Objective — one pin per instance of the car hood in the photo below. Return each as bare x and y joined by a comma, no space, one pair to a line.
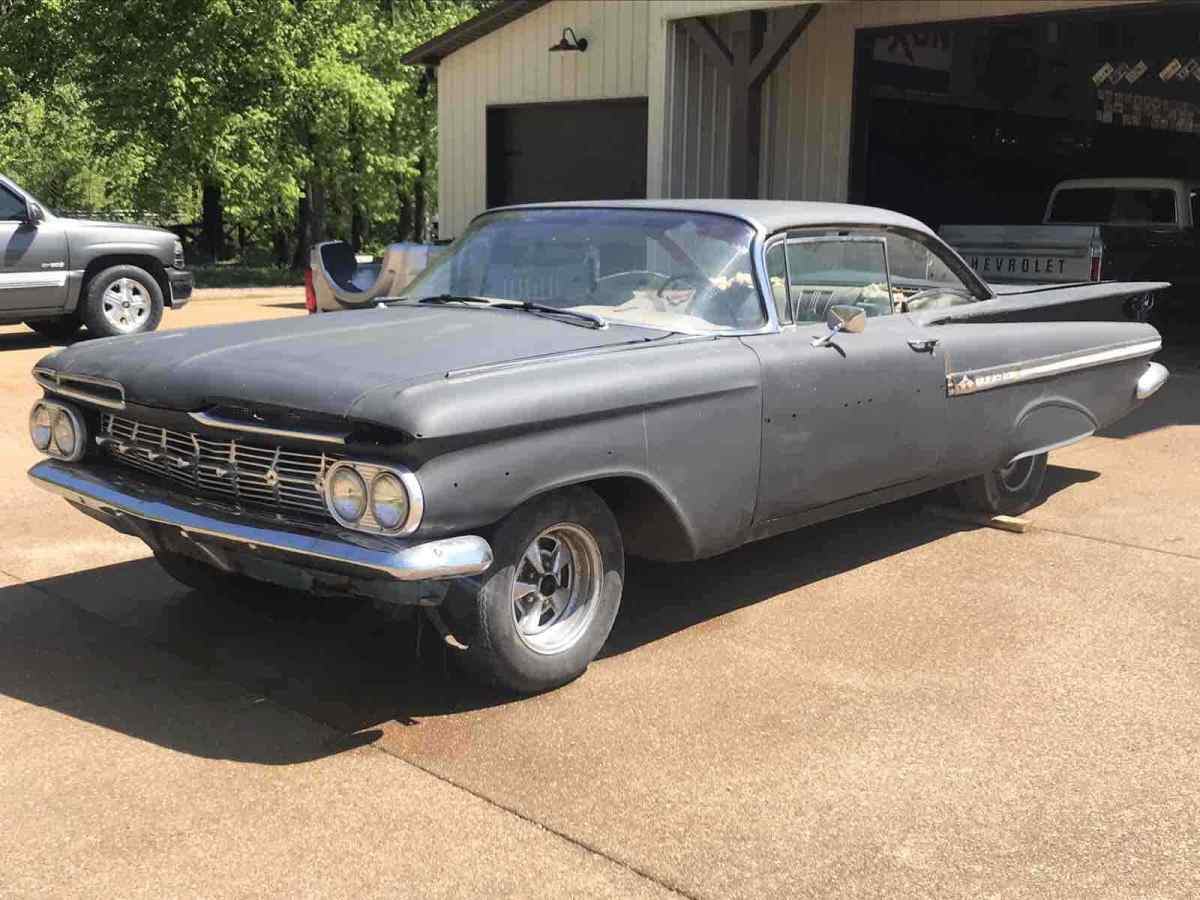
116,226
324,363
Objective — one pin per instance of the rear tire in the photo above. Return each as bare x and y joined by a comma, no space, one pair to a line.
1008,491
538,618
122,300
56,329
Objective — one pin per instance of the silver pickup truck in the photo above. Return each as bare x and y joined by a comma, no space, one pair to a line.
58,274
1097,229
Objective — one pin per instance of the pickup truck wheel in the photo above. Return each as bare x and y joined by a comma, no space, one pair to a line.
122,300
1008,491
545,609
56,329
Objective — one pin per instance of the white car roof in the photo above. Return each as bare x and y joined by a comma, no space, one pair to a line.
769,215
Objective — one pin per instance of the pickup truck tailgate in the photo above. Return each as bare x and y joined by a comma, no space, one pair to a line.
1027,253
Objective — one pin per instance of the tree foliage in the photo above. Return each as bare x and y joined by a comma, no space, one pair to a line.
285,121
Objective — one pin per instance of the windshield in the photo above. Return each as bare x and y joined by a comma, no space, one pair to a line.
675,271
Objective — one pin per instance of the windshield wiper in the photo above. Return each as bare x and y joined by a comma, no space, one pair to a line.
588,320
454,298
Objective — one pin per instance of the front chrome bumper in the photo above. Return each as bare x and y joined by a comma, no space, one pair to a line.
115,497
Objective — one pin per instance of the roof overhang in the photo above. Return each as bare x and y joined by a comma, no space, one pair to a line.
434,50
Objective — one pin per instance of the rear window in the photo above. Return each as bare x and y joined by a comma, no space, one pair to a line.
1128,205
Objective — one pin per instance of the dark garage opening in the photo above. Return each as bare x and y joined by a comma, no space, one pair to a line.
975,122
593,150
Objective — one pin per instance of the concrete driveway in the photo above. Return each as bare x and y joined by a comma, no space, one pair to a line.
891,705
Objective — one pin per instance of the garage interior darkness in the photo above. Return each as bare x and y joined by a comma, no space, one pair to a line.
975,122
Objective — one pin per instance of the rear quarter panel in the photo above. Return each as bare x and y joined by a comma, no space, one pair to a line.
989,427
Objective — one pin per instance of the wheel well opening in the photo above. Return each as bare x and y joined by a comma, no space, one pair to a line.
650,526
149,263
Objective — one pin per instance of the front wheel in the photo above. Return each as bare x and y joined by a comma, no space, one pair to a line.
540,616
1008,491
122,300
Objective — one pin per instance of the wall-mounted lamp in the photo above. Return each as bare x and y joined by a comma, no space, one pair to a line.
571,43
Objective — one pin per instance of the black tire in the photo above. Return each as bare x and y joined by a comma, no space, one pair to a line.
484,614
56,329
1005,492
146,290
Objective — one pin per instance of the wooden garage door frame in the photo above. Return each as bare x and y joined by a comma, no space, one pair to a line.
642,100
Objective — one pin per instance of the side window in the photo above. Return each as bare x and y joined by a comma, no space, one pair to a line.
777,275
920,279
12,207
837,270
1194,199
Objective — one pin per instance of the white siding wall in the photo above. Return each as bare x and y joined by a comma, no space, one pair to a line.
636,51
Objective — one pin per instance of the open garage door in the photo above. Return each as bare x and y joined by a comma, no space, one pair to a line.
541,152
974,122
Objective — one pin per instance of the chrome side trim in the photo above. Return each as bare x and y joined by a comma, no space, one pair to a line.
1152,379
56,278
234,425
972,382
60,383
114,496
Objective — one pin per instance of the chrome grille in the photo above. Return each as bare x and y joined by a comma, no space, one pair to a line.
248,474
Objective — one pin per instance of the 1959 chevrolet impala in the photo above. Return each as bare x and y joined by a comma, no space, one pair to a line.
574,382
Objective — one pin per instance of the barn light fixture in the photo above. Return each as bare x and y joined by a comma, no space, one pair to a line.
571,43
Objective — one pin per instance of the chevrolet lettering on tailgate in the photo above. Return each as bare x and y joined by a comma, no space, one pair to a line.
1018,265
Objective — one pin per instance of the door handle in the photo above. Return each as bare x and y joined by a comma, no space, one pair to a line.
923,345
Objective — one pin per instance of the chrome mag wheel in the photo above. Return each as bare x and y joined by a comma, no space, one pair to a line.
556,588
126,304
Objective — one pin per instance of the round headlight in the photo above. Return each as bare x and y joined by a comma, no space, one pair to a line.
65,438
389,501
347,494
40,424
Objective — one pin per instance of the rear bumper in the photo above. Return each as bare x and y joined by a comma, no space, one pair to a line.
165,520
182,283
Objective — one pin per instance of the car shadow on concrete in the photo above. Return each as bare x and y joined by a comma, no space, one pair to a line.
354,668
31,340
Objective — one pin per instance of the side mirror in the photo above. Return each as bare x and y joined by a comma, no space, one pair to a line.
848,319
34,213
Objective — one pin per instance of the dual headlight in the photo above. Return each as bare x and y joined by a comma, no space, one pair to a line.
374,498
58,430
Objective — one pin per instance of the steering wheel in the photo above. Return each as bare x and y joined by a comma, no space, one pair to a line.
696,281
649,272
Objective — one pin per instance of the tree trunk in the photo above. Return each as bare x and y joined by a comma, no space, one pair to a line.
212,220
319,210
279,247
358,227
404,218
419,201
303,233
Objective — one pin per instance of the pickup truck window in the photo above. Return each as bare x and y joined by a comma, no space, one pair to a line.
12,207
1126,206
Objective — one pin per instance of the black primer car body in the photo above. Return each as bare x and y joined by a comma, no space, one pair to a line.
48,263
691,442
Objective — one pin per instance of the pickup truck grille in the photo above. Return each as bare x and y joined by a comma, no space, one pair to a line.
251,475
